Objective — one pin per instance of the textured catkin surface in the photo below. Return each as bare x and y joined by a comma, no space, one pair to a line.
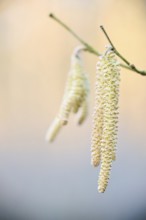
105,117
97,128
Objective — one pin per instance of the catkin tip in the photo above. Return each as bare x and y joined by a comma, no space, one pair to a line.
101,190
95,163
53,130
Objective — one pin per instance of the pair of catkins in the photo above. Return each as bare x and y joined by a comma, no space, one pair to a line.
105,115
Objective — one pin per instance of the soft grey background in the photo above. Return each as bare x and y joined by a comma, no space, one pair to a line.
56,181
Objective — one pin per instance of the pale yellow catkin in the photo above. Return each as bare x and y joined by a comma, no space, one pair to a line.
97,127
105,117
110,96
75,96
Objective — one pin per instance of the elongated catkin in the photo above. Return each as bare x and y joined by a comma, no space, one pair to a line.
105,118
75,96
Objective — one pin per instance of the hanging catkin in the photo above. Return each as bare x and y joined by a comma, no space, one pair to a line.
105,118
97,128
75,96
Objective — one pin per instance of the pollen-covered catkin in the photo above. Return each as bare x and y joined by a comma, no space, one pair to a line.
75,96
105,116
97,127
110,97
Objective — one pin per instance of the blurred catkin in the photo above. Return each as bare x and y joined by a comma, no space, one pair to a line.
75,95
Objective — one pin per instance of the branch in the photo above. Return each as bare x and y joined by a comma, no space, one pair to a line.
88,47
91,49
129,65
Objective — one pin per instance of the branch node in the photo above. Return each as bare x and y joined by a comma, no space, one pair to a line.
51,15
132,66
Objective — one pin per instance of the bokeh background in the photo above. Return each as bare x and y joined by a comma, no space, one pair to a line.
56,181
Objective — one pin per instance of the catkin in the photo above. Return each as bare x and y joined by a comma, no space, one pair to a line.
97,128
105,119
75,96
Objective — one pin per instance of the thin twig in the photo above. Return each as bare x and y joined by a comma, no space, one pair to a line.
130,66
91,49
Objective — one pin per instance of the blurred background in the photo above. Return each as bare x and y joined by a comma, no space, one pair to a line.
56,181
